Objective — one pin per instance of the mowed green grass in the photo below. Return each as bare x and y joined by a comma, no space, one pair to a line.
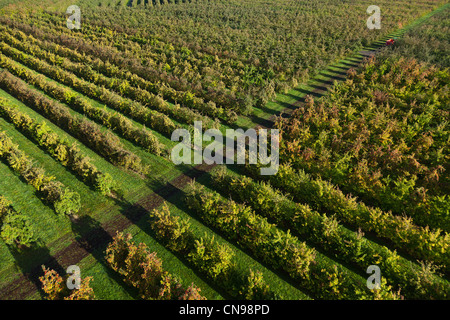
319,77
51,228
56,232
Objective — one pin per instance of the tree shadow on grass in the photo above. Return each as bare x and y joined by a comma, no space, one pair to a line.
320,87
262,121
177,200
139,216
94,239
29,261
338,76
331,73
38,194
336,66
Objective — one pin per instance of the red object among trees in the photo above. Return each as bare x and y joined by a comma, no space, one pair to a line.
390,42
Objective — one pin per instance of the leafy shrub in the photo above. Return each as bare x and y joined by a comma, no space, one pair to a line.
63,200
68,203
208,256
256,288
213,259
16,230
105,143
240,223
175,233
54,286
5,205
143,270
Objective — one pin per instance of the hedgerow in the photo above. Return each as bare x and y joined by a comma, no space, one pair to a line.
59,148
50,190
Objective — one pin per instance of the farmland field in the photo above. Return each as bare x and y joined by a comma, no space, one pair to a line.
88,177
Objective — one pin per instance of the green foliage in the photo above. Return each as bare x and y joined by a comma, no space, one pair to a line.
265,46
136,109
105,183
52,284
211,258
192,293
64,200
143,270
239,223
328,233
175,232
68,203
16,230
325,197
205,254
